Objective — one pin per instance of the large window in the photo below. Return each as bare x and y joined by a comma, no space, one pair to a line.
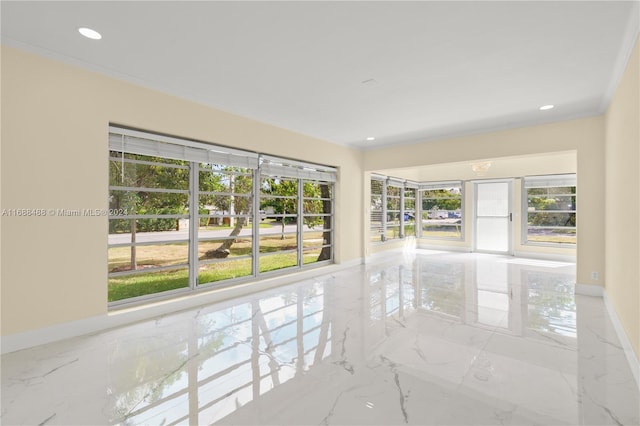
392,209
409,212
550,205
442,210
185,214
376,222
393,216
149,201
225,211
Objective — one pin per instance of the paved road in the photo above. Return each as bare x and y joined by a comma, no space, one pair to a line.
145,237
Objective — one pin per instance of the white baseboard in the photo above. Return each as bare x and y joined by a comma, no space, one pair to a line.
128,315
632,359
546,256
456,249
589,290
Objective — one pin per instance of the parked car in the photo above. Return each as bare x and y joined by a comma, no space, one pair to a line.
438,214
409,216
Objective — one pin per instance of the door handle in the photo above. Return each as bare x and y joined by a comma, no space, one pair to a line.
510,217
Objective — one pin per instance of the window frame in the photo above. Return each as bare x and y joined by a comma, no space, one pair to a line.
384,211
548,181
442,185
198,156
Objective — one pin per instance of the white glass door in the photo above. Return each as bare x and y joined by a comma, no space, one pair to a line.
493,217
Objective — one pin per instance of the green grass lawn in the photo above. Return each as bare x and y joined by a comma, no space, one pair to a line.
124,287
565,239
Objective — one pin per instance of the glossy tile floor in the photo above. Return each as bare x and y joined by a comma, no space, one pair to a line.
426,338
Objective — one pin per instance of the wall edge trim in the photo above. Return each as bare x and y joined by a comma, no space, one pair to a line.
632,359
593,290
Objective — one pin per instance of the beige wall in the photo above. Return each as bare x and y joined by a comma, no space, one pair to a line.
54,149
585,137
622,200
55,121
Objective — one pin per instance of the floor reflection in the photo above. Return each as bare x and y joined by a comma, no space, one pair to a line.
424,338
226,359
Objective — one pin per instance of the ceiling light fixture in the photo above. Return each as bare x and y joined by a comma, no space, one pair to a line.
371,138
481,169
546,107
89,33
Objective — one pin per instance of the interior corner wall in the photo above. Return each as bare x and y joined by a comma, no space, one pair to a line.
622,200
584,136
55,120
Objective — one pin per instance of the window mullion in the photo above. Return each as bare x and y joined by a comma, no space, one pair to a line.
300,221
255,229
401,231
418,213
194,222
384,211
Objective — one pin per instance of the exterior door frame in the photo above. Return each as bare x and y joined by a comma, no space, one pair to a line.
509,182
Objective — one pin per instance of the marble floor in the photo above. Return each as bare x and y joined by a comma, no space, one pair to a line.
421,338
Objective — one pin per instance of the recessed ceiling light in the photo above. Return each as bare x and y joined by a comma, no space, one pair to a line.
89,33
371,138
546,107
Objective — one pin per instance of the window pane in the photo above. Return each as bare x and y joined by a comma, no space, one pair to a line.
546,235
393,204
225,248
130,258
313,239
274,243
376,211
393,191
317,222
141,202
442,213
393,231
228,192
147,172
409,224
313,255
127,286
278,261
147,230
224,270
551,215
441,230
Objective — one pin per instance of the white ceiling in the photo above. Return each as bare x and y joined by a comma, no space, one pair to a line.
439,68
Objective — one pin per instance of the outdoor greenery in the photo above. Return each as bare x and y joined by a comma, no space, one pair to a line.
146,185
441,199
133,171
127,286
453,231
550,210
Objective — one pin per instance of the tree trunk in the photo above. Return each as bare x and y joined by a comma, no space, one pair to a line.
226,245
282,223
325,253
